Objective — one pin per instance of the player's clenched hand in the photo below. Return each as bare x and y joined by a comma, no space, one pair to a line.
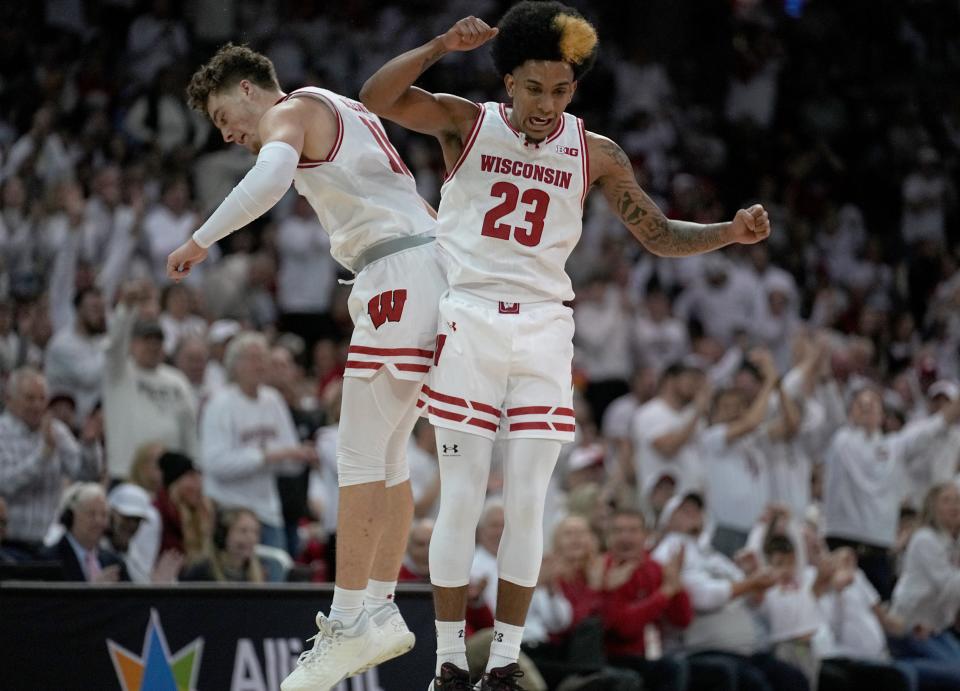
184,258
751,225
468,33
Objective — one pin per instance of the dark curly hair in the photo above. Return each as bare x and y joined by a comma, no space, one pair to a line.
544,31
225,69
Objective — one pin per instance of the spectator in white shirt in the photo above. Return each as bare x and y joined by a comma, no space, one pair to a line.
737,484
664,429
248,437
864,481
723,299
602,342
724,643
144,399
925,195
659,338
853,643
134,535
176,301
939,462
617,419
306,276
191,358
76,356
927,595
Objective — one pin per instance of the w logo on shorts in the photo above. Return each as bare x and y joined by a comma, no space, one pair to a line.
387,307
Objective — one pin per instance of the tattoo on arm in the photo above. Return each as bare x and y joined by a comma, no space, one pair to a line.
647,223
431,59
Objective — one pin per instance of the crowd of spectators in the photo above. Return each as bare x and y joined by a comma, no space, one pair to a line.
764,489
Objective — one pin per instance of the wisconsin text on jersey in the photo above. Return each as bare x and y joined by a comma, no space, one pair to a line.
521,169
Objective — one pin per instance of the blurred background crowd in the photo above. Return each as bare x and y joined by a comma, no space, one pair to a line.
763,493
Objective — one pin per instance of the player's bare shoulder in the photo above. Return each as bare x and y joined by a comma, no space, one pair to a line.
606,157
314,117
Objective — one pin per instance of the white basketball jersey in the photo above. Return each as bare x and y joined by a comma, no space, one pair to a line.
362,192
511,212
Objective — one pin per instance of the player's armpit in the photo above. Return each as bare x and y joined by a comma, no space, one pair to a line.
613,174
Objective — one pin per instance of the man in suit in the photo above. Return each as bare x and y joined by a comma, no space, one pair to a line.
85,517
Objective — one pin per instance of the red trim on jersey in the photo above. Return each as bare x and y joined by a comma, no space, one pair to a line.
359,364
530,410
396,352
468,144
310,162
584,162
503,114
557,132
396,163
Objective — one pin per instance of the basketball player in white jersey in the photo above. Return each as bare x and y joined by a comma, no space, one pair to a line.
510,214
337,155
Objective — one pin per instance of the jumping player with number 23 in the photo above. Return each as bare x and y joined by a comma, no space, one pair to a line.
511,212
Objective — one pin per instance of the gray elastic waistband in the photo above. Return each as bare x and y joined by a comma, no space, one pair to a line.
388,247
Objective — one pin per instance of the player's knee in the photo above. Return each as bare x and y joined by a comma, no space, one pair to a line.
460,505
358,469
523,509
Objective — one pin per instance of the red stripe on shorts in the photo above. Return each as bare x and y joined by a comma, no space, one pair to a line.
486,424
359,364
560,427
407,367
564,411
530,410
397,352
446,414
518,426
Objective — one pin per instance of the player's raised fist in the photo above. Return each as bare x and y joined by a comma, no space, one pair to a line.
468,33
184,258
751,225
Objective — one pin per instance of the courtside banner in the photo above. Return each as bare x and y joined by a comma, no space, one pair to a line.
209,637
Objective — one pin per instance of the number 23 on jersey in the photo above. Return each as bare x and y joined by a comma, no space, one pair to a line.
534,200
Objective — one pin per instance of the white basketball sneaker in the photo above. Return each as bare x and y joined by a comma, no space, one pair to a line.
337,653
397,638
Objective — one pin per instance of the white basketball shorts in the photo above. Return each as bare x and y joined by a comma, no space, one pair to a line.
393,305
503,366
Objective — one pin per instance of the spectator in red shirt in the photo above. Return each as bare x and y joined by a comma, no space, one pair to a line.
576,547
638,595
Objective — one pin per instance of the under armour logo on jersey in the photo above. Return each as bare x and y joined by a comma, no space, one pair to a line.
451,449
568,150
386,307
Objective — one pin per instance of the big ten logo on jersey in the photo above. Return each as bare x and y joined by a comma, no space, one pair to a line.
251,672
387,307
568,150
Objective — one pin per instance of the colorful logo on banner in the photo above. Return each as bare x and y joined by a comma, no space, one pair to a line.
155,669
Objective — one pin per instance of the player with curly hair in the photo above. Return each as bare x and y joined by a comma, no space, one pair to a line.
510,214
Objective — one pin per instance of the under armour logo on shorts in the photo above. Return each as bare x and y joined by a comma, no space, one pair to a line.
509,307
451,449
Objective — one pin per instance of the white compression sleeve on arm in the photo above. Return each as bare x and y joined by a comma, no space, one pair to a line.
260,189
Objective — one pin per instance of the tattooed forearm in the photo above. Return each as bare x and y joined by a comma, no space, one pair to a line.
659,235
430,59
